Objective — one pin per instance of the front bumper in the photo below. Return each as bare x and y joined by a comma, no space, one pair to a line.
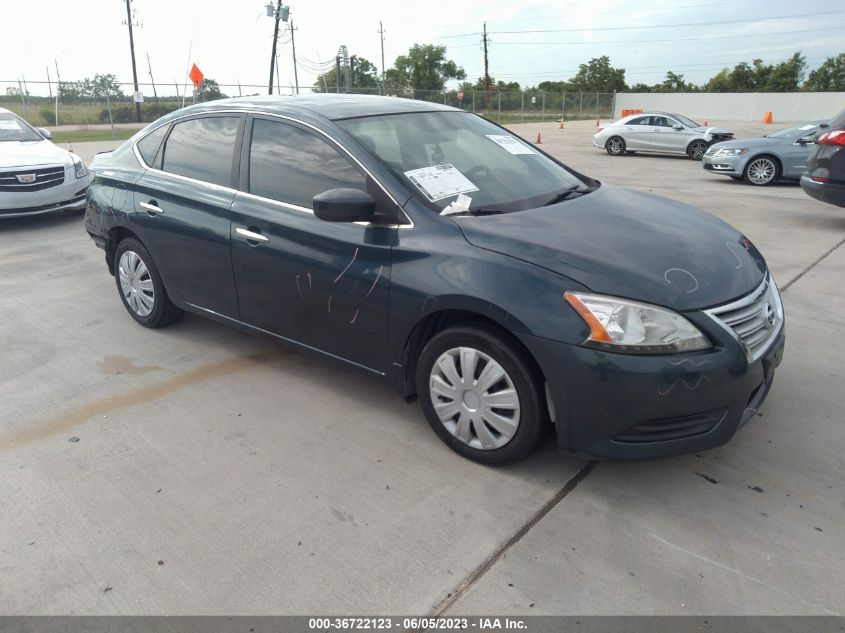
830,192
68,196
629,407
728,165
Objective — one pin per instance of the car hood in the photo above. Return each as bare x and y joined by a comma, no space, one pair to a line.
630,244
751,142
713,130
32,154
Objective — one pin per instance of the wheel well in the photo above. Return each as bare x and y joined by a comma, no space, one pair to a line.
443,320
115,237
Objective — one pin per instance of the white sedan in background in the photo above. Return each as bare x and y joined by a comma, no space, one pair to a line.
662,132
35,175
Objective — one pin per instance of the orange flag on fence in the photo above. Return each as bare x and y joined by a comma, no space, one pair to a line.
196,76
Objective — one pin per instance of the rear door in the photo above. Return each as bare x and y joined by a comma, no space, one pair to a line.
182,208
636,133
321,284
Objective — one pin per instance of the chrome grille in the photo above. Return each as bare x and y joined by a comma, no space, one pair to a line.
755,319
35,179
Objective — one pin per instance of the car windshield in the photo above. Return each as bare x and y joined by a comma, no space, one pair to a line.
440,155
686,121
800,130
12,128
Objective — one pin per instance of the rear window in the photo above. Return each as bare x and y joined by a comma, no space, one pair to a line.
202,149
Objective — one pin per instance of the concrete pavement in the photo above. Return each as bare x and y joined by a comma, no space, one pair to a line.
199,470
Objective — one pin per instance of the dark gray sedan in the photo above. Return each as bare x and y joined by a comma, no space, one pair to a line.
761,161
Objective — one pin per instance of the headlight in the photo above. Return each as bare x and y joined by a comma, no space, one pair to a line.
79,166
731,151
621,325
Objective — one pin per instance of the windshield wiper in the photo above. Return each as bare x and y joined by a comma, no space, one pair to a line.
476,212
574,190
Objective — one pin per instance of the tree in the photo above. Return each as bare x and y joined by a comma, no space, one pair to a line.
786,76
640,87
364,76
209,90
829,77
102,85
425,67
759,77
598,75
674,82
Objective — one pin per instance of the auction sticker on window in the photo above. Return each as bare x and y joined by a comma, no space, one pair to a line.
511,144
10,124
440,181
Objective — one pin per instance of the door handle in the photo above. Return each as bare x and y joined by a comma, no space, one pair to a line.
251,236
151,207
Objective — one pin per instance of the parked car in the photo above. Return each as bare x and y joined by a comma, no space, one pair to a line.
663,132
761,161
435,249
824,178
35,175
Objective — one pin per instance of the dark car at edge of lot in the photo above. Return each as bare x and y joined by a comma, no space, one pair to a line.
510,294
824,178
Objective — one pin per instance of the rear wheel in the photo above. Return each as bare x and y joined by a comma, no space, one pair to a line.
140,286
482,395
615,146
696,149
761,171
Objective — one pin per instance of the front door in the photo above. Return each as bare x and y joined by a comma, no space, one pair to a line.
321,284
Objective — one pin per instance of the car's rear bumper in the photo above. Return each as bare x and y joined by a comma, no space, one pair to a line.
830,192
628,407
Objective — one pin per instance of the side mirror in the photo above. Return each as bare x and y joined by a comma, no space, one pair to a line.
804,140
344,205
677,126
43,131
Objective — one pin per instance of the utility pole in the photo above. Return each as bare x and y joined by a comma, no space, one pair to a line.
132,50
293,45
486,71
278,15
337,74
49,85
153,81
381,33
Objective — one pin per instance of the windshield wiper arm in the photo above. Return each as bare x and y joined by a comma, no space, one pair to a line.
476,212
566,193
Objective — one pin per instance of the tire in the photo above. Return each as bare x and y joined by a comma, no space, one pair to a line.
696,149
736,177
140,287
615,146
497,435
629,152
761,171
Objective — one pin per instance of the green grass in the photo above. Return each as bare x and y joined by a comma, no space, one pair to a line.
81,136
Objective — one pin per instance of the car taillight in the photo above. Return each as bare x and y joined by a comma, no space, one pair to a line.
834,137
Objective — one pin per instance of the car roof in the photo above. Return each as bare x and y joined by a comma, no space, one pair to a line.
322,105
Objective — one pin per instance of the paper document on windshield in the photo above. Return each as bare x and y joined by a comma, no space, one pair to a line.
513,145
10,124
440,181
460,205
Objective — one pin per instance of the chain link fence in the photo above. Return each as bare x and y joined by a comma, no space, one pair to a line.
48,105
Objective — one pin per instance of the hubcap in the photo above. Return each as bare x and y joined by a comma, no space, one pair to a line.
697,150
136,283
616,145
761,171
474,398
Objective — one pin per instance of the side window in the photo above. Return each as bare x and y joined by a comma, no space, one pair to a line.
291,165
202,149
643,120
149,145
661,121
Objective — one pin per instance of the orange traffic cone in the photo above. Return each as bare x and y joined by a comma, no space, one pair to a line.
538,141
705,123
562,126
767,118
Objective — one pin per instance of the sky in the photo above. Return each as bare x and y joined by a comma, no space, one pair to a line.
530,41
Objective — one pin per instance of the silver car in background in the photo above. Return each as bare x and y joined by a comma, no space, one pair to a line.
761,161
35,175
662,132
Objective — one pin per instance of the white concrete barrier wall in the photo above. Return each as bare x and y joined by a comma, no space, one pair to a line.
786,107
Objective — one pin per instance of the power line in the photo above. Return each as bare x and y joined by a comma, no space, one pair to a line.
657,41
645,27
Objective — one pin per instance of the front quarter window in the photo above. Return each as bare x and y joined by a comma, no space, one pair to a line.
441,155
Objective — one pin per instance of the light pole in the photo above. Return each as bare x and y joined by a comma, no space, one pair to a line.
279,12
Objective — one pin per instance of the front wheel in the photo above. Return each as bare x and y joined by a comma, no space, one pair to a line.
696,149
615,146
140,286
761,171
482,395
